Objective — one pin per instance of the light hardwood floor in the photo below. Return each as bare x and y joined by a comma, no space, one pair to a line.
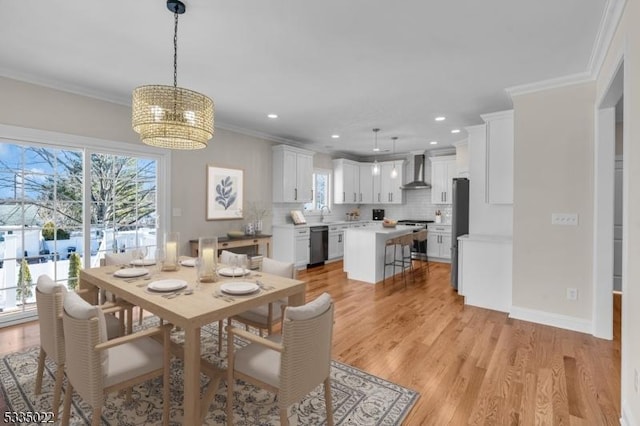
470,365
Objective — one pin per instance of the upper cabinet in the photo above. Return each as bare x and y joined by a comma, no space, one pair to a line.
346,182
443,170
292,174
354,183
499,157
366,183
386,190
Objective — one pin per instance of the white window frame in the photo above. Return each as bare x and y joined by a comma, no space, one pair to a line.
329,174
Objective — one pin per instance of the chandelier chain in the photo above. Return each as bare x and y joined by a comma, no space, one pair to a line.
175,50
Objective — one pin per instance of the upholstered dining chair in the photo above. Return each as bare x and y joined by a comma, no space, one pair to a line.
120,259
266,316
290,365
49,299
96,366
227,257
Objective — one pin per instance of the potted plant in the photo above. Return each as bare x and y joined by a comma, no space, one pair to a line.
256,213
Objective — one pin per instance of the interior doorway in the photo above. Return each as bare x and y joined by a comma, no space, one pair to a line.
608,204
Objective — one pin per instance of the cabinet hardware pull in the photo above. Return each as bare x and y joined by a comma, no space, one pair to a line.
225,244
378,197
295,193
344,196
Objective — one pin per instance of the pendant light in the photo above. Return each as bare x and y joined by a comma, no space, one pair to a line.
394,172
375,170
171,116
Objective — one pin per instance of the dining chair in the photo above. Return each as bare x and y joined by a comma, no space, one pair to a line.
49,299
120,259
266,316
96,366
290,365
229,258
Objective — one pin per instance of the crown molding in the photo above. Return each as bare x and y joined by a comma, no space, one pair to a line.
608,25
553,83
606,30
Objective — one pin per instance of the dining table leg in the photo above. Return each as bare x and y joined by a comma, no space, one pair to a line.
191,376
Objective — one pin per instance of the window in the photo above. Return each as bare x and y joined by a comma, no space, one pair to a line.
52,223
321,190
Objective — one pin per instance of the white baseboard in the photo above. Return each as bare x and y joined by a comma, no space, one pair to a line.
627,416
549,318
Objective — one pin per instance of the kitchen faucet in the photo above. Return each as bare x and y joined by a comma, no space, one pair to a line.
322,208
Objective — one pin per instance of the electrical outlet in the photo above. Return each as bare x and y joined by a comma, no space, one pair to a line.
567,219
636,379
572,293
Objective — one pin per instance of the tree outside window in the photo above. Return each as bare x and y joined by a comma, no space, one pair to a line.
321,190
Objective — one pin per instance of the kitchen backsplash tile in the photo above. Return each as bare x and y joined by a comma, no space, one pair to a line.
417,206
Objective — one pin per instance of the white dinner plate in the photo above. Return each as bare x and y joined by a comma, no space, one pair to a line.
233,272
188,262
240,287
167,285
143,262
130,272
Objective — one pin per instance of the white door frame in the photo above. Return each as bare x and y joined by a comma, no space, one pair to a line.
604,183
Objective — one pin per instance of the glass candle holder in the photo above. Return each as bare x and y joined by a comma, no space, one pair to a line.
208,255
171,255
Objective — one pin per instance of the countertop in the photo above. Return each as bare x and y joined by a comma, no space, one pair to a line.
308,225
486,238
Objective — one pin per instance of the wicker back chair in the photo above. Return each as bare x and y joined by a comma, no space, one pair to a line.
49,302
96,366
291,365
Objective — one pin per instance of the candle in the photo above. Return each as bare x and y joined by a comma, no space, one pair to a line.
171,252
208,262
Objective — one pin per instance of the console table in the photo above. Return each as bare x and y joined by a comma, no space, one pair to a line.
225,243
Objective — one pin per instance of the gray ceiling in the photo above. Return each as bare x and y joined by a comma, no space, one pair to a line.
335,66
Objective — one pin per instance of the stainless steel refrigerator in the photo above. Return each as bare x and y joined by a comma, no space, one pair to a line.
459,222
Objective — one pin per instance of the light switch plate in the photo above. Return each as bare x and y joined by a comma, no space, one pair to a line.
566,219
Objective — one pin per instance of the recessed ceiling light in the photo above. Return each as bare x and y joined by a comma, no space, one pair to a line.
335,136
434,142
441,118
455,131
272,115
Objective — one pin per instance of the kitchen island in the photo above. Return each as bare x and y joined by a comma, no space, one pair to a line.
364,251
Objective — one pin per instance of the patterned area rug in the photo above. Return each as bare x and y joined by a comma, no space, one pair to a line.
358,397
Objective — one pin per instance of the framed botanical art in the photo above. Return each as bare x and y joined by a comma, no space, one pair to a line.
225,189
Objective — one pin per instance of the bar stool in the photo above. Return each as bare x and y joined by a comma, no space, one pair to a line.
401,256
420,239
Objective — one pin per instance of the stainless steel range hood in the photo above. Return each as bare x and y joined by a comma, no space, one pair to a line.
418,181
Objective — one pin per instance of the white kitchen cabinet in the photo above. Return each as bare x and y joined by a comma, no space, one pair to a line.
302,247
291,244
499,157
346,181
366,183
336,241
439,242
443,170
386,190
292,175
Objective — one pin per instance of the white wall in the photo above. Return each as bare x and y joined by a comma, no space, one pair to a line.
37,107
226,149
553,173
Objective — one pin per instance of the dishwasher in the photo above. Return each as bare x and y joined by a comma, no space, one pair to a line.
318,244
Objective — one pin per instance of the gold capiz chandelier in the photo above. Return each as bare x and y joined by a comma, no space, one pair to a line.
171,116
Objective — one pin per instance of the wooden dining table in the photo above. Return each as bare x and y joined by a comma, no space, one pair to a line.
191,311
